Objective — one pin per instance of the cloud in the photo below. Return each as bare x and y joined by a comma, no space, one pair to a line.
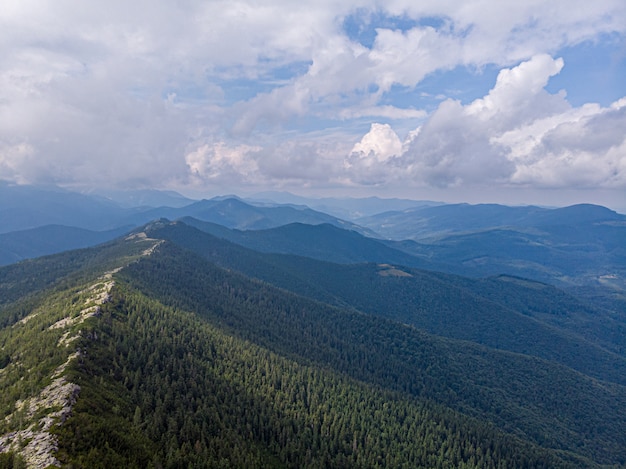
466,34
453,148
380,144
218,161
519,96
191,92
14,159
283,165
583,148
518,134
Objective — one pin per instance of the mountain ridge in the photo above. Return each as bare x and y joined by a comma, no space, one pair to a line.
173,319
434,302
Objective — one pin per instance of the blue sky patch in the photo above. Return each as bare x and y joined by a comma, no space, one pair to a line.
361,26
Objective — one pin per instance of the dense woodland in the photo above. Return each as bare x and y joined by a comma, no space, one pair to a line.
189,364
183,392
503,312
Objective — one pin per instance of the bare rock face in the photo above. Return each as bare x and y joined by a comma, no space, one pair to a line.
53,404
35,443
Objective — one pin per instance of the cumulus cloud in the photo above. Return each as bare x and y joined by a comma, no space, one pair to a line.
469,35
581,148
380,143
457,144
283,165
519,95
518,134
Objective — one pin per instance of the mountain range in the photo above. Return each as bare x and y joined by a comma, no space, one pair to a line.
232,333
580,247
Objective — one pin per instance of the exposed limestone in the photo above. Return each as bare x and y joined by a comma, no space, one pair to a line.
24,320
66,340
137,236
53,404
142,236
35,443
151,249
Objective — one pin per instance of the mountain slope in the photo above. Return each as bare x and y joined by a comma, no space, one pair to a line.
323,242
235,213
431,221
345,208
581,245
532,397
213,369
39,333
25,207
441,304
244,406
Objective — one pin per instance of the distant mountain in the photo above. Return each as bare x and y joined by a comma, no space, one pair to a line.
145,198
427,222
347,208
430,222
567,256
564,255
580,214
323,242
25,207
235,213
142,352
38,208
577,245
50,239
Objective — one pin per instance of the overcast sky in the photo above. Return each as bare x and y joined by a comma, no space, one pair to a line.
456,100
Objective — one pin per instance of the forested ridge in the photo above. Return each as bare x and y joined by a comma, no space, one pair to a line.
176,362
184,392
547,403
536,320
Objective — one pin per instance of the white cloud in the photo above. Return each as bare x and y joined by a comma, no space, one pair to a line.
585,147
217,160
519,95
14,159
518,134
380,143
287,164
146,93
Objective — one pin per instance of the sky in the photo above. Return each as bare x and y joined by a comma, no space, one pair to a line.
451,100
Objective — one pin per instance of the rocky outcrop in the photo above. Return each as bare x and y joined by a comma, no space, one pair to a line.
34,417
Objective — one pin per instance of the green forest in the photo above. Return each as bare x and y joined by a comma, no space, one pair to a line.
177,362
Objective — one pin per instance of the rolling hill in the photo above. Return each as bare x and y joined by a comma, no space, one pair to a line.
322,241
426,222
581,245
232,212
